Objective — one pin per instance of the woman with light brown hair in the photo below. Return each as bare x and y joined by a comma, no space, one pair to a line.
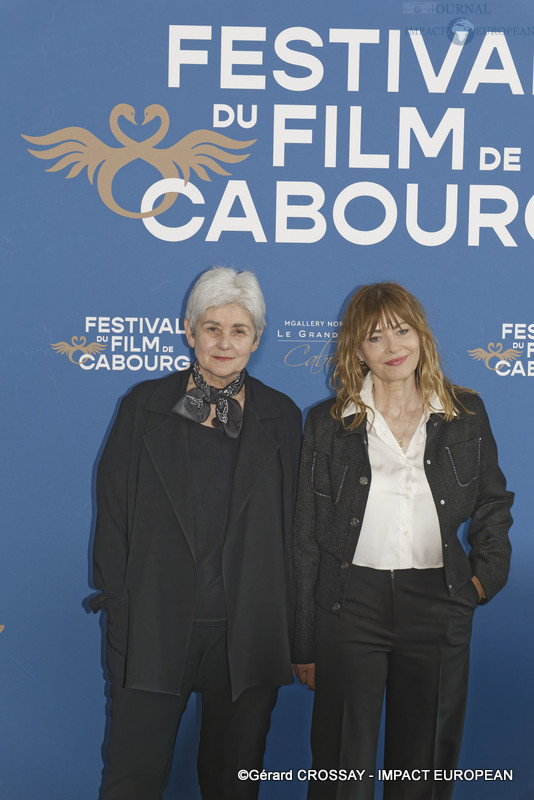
390,469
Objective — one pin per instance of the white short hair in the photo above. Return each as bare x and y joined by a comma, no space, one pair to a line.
222,286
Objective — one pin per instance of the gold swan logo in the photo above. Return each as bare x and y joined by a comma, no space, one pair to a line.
493,351
77,343
77,148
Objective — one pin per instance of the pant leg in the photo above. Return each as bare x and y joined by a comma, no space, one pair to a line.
142,736
351,672
233,733
144,726
427,682
143,730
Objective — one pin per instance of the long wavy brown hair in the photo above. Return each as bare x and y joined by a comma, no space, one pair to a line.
386,304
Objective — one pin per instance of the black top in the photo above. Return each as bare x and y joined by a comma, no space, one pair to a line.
213,458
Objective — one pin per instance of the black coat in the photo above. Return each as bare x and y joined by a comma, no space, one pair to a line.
335,477
144,551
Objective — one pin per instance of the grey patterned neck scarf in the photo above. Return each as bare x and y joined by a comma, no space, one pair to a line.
195,404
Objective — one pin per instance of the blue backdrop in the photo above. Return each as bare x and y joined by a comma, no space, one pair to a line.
387,140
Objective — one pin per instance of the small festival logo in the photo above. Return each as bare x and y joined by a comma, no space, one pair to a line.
493,351
77,344
78,148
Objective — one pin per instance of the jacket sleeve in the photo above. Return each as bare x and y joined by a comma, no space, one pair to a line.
306,551
491,518
112,490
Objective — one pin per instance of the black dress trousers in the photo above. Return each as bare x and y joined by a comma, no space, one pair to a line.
400,635
144,726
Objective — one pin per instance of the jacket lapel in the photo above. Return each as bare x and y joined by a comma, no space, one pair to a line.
435,421
256,448
360,429
168,447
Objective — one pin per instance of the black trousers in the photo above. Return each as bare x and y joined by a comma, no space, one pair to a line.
144,726
401,635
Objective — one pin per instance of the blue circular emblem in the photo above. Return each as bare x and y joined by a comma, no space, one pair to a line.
460,30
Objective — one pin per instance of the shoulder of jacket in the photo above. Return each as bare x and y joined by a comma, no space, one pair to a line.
141,393
260,389
322,410
472,402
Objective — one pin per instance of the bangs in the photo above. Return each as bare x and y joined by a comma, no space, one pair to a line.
388,312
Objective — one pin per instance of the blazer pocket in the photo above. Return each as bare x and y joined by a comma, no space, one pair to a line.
465,460
328,476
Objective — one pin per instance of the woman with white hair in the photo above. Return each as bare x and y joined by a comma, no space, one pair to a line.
192,553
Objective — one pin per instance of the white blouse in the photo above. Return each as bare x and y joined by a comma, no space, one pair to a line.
400,529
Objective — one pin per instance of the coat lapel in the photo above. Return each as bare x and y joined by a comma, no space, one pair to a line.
167,444
168,448
435,421
256,449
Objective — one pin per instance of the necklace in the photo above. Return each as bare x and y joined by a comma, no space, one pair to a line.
400,441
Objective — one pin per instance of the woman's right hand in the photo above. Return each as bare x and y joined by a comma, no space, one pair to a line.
306,674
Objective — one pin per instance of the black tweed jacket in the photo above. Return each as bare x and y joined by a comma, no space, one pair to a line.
334,481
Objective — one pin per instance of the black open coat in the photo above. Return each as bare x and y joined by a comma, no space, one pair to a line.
144,551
